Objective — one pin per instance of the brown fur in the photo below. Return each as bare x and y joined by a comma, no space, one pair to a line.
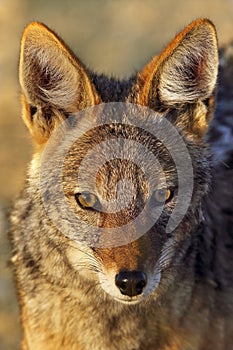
67,290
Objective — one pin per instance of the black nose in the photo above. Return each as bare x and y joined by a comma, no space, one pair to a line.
131,283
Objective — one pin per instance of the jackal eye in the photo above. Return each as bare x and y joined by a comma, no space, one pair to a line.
162,195
87,200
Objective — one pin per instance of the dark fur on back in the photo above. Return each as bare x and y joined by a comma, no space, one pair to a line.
218,234
68,293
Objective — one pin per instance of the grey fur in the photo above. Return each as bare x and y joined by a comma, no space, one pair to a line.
63,305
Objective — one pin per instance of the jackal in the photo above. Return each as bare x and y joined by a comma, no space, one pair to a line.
155,288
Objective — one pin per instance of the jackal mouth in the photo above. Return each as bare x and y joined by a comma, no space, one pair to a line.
130,301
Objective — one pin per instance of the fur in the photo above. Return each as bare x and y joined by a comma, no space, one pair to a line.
67,291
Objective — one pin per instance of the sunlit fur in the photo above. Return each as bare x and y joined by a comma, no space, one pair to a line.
67,291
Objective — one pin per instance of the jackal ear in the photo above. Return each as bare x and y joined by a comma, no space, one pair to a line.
54,83
189,72
183,78
186,71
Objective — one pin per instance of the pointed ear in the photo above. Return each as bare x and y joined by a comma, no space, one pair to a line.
54,83
184,74
186,71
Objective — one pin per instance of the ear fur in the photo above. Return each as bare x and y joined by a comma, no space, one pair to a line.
53,81
184,74
186,71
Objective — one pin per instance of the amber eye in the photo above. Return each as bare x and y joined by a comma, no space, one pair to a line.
87,200
162,195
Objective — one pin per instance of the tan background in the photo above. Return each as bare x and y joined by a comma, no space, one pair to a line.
112,36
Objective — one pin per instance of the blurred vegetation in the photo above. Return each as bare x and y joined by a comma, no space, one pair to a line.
112,36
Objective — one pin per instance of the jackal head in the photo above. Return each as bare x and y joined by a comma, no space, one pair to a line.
114,188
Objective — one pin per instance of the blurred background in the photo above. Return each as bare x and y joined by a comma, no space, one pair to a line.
116,37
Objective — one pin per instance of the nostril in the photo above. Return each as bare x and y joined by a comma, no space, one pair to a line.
122,281
140,285
131,283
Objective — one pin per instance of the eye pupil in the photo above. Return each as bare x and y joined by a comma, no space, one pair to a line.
86,200
162,195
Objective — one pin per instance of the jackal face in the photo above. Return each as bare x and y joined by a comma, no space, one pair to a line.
114,189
